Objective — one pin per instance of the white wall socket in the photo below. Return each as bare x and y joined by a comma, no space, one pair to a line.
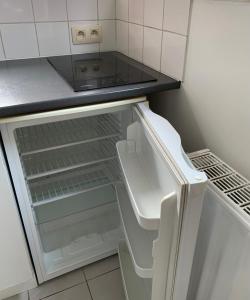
86,34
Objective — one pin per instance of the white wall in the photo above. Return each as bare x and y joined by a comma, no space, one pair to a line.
213,107
33,28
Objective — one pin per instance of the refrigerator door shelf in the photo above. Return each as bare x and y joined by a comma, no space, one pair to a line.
135,287
139,240
144,190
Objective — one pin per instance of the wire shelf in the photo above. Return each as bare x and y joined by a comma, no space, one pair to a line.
56,187
62,133
60,160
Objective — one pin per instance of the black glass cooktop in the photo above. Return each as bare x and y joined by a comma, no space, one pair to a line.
97,70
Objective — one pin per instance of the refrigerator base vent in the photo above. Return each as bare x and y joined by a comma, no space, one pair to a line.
225,178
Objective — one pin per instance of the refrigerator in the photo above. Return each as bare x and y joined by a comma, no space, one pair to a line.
95,180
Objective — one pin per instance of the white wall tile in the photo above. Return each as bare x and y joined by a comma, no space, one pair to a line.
152,48
173,54
153,13
109,35
16,11
2,57
122,10
136,11
83,48
106,9
19,40
82,9
122,37
50,10
176,16
53,38
136,42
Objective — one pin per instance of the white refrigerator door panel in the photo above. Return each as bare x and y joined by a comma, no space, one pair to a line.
16,271
162,183
222,262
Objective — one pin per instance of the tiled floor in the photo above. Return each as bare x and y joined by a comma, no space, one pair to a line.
98,281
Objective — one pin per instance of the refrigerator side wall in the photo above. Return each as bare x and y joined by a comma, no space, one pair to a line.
16,272
221,265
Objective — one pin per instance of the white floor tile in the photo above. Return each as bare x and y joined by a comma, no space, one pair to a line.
107,287
57,285
101,267
22,296
78,292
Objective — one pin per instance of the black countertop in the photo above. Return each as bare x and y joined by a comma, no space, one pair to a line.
33,85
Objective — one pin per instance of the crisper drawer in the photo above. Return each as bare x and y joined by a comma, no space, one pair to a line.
65,169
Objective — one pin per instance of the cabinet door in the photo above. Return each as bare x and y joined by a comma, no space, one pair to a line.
16,272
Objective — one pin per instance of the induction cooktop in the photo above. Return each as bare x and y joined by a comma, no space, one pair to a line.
97,70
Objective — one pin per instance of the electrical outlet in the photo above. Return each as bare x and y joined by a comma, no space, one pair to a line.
86,34
95,33
79,35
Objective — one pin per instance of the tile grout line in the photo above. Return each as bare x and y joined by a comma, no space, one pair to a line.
56,21
1,40
115,25
187,40
91,296
37,41
163,18
69,30
150,27
63,290
143,38
98,21
97,276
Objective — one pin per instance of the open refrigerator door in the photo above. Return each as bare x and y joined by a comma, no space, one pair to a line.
160,205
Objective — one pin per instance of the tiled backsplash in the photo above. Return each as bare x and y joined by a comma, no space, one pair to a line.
151,31
154,32
33,28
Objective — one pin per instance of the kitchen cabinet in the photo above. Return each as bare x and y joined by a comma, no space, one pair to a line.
16,271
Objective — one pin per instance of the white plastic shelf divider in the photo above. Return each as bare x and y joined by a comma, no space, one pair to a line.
39,138
57,187
144,191
139,241
135,288
61,160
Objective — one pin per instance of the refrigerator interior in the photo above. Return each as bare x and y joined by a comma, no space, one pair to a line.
91,183
71,169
